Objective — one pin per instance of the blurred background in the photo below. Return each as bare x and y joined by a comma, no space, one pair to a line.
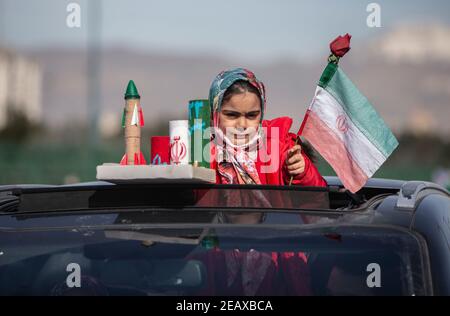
64,67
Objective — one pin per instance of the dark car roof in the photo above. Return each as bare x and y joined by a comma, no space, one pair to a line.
331,180
381,207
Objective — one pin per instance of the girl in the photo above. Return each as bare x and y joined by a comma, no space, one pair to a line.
248,149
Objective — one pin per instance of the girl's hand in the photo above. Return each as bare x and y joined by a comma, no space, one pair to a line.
295,162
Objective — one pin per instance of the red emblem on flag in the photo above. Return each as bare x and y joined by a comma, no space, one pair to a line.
341,123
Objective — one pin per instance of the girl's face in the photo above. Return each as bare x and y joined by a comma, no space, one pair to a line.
240,116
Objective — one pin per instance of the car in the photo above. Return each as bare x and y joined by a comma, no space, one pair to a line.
390,238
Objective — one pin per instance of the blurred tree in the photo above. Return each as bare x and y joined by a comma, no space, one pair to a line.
423,149
18,126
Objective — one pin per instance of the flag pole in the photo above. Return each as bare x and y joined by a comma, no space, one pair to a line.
298,136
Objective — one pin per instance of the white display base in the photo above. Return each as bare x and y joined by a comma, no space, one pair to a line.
116,173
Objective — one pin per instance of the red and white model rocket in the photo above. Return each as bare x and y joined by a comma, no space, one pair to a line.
132,120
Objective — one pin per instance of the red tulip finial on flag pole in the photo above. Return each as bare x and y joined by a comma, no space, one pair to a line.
339,47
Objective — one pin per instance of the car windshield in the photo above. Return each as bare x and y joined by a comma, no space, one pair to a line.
228,256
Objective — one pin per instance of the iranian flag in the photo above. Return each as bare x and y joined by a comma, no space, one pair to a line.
344,127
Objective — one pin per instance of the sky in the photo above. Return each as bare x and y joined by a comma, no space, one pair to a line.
257,30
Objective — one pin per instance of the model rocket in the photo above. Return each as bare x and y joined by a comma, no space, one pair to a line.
132,120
